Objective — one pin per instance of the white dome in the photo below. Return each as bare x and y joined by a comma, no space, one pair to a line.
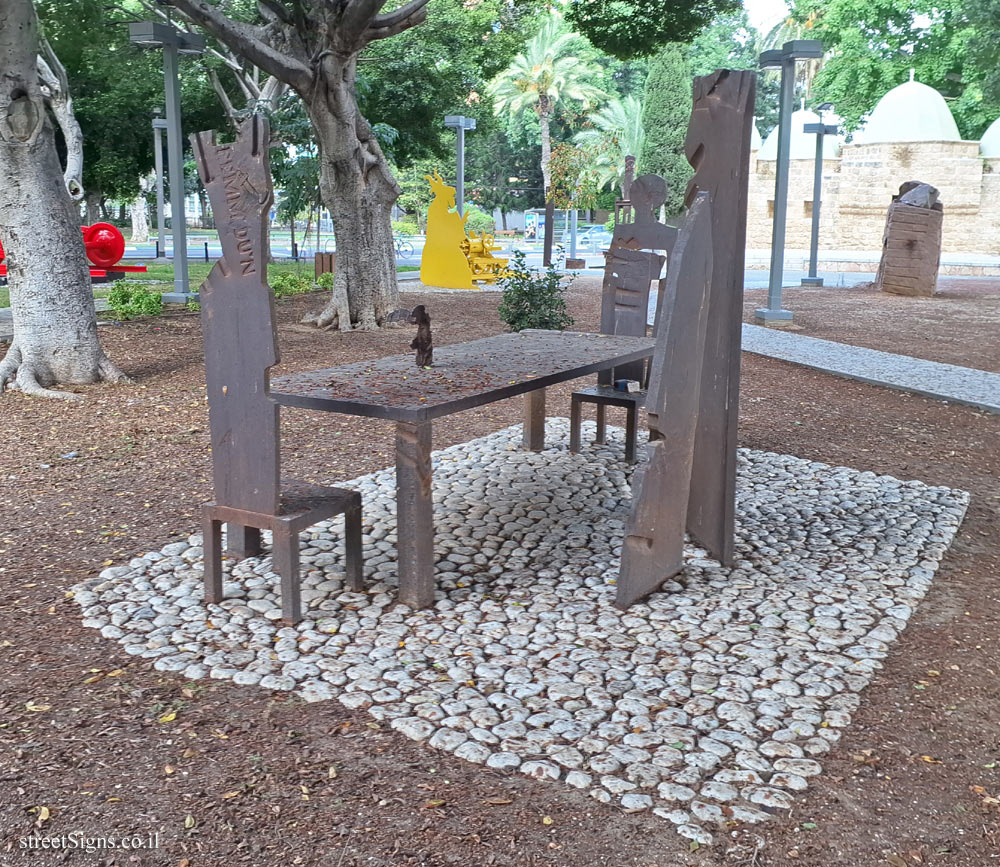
803,143
910,112
755,139
989,144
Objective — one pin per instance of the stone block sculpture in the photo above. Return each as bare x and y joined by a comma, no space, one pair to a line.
241,346
911,243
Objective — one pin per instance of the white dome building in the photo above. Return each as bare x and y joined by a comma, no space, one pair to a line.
910,112
989,144
803,146
910,135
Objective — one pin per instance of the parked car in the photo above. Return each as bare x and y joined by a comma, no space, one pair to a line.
595,238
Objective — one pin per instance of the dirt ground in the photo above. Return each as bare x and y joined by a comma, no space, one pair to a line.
244,776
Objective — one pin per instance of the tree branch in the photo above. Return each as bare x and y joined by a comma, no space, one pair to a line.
227,103
358,17
417,16
247,41
274,9
397,16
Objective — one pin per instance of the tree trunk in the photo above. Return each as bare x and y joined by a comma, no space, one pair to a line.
92,207
359,191
55,326
205,216
140,220
544,111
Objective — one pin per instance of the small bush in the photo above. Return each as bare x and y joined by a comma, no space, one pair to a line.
533,299
290,284
129,299
405,226
325,280
478,221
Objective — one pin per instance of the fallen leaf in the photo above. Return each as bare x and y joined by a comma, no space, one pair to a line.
498,801
547,820
168,769
37,708
44,814
332,773
896,860
189,821
169,716
229,795
435,803
930,760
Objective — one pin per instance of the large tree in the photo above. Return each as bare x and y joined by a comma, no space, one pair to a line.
639,28
665,113
613,133
548,72
314,46
55,325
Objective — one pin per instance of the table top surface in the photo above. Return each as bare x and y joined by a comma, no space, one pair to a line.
464,375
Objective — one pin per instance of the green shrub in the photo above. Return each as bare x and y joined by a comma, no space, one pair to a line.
406,226
325,280
129,299
533,299
478,221
609,223
290,284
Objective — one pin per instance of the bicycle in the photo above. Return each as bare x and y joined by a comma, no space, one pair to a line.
403,247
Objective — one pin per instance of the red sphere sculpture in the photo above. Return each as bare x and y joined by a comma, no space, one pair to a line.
104,244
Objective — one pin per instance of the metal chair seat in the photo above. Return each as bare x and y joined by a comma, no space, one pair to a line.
604,396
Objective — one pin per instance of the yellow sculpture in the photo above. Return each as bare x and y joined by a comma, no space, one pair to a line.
451,258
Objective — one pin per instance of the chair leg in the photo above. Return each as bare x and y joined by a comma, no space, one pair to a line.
353,560
212,542
630,433
285,555
242,541
575,406
601,424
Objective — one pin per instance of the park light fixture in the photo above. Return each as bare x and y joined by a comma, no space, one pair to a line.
820,130
460,124
783,58
158,34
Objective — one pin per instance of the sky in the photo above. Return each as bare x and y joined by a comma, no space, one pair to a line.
764,14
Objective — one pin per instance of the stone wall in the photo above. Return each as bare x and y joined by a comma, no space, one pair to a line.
859,186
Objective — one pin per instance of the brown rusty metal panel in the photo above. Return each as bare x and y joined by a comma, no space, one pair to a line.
414,514
237,312
533,433
654,535
625,302
718,147
464,375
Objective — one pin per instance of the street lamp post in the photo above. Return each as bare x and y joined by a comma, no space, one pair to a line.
157,34
820,130
783,59
159,124
460,124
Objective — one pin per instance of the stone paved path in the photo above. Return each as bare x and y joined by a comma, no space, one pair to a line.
947,382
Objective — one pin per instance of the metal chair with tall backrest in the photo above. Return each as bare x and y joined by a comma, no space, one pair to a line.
240,341
631,268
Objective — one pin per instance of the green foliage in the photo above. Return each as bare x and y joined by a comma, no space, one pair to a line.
873,46
665,114
194,306
533,299
613,133
407,225
984,47
129,299
417,77
639,28
284,285
576,177
324,281
477,221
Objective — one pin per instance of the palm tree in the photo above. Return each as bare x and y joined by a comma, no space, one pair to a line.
546,73
615,132
792,28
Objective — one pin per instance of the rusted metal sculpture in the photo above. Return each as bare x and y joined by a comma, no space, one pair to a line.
240,348
661,489
423,342
718,148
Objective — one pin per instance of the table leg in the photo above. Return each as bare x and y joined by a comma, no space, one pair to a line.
414,514
242,541
534,420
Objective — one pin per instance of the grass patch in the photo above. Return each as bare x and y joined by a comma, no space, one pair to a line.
4,297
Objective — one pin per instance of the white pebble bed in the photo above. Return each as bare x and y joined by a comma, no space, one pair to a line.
714,701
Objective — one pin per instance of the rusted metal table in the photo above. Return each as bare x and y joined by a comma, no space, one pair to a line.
464,375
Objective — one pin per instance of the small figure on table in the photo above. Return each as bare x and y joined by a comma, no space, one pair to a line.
422,342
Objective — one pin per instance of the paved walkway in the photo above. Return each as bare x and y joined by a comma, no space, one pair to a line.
947,382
